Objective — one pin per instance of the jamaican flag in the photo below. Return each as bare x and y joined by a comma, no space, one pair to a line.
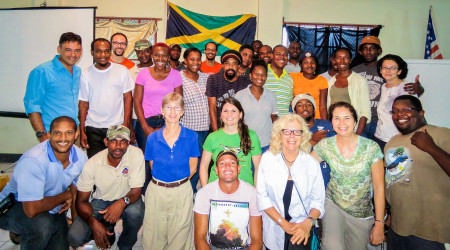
190,29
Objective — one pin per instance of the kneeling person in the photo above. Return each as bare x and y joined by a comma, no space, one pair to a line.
118,175
43,184
227,205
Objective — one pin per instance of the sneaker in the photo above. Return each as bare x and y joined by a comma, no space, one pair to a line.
15,238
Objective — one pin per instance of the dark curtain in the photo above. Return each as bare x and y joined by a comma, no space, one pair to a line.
323,41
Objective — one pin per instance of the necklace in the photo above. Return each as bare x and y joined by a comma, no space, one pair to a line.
289,162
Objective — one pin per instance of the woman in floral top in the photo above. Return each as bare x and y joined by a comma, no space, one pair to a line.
356,165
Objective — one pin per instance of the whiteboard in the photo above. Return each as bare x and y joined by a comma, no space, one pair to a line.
435,78
29,37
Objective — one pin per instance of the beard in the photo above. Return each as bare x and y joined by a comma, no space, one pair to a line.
230,74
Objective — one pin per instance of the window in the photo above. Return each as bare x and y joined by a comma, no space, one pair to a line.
322,39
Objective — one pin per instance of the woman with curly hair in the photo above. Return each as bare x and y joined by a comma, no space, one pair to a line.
290,186
233,135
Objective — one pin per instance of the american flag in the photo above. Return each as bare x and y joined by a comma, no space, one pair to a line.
431,46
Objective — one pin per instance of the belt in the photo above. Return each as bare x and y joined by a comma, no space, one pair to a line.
171,184
156,117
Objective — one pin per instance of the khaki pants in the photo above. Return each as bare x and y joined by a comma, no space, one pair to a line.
168,217
343,231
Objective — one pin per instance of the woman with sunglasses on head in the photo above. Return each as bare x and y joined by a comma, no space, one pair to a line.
356,165
394,71
233,135
308,82
290,187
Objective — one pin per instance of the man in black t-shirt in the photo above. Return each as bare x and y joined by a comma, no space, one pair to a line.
224,84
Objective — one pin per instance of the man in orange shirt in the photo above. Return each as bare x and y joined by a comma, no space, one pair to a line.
210,66
119,44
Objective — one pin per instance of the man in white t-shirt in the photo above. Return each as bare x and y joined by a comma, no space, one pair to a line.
105,97
226,214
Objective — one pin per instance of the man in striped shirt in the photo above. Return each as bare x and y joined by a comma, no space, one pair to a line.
279,81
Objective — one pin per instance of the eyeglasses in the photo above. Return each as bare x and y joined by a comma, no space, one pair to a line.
290,132
176,108
404,110
119,43
384,68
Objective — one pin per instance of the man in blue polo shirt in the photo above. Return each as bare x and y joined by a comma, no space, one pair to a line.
43,185
52,87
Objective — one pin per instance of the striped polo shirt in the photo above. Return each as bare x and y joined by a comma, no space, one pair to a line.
282,87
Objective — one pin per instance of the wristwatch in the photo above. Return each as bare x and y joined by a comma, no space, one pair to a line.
39,134
314,221
126,200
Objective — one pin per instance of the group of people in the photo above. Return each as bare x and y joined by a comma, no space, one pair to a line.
274,146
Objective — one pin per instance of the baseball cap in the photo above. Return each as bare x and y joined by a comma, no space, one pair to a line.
226,152
142,44
370,39
117,131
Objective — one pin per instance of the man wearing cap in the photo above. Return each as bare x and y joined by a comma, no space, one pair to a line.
118,175
279,81
43,187
52,87
210,66
105,97
174,57
227,202
119,43
295,50
304,105
143,49
224,84
370,49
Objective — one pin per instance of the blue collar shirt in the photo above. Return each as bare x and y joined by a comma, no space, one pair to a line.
39,174
52,91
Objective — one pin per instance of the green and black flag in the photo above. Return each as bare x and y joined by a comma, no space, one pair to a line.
190,29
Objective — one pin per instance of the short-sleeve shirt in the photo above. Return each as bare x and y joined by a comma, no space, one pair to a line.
375,82
196,111
219,140
40,174
210,69
113,183
302,85
351,179
154,91
385,126
282,87
245,193
171,164
217,86
258,112
417,188
104,90
52,91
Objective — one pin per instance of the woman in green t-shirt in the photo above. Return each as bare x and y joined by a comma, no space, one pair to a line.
233,135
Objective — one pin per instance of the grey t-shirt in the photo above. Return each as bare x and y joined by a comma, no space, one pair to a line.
375,82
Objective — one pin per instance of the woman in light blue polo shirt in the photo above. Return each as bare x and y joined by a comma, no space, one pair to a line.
172,152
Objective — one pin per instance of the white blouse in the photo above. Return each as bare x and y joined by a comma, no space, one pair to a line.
272,178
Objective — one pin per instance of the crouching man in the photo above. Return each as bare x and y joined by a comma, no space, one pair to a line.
226,214
118,175
43,188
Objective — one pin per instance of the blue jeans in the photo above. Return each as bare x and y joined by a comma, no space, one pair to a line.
369,130
132,217
201,139
411,242
44,231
